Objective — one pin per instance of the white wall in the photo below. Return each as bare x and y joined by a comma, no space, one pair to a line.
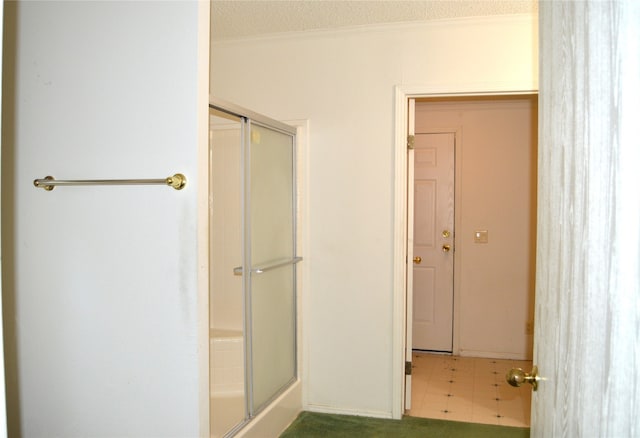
343,82
101,282
226,304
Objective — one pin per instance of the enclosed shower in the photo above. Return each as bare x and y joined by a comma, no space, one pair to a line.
253,265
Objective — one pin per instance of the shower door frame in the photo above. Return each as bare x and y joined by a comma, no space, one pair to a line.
249,118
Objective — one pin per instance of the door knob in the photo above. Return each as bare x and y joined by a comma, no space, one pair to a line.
446,247
516,377
446,233
417,260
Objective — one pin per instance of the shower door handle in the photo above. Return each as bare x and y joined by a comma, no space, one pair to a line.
269,266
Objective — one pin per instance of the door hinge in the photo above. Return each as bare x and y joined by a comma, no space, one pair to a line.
411,141
407,368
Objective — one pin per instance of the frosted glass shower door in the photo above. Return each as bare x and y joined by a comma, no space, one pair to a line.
271,250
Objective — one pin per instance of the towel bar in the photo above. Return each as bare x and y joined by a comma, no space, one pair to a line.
177,181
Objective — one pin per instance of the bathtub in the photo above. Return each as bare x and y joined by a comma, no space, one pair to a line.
227,392
227,380
227,363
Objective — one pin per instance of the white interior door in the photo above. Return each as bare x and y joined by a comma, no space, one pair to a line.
587,329
433,241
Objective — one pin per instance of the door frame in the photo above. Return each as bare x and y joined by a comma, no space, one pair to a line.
400,252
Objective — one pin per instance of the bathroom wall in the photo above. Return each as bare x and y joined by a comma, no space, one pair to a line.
343,82
100,284
496,151
226,305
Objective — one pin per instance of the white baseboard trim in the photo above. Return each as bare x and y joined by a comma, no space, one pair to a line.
494,355
345,411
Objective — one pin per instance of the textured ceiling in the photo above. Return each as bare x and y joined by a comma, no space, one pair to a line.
245,18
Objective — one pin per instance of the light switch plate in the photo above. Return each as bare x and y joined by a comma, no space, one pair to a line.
481,236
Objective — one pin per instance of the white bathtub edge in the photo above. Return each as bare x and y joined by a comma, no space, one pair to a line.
277,416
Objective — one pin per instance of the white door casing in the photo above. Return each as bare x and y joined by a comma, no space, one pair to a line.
433,241
3,403
408,248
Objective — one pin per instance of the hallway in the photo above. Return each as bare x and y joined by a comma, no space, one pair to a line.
468,389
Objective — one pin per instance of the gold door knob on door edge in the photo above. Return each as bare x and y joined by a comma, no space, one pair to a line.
446,248
517,376
417,260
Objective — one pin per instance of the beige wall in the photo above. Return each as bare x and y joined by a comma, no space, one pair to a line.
343,82
496,158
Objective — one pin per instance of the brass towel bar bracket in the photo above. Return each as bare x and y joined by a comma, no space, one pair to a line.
177,181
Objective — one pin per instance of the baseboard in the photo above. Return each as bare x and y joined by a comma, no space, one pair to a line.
342,411
494,355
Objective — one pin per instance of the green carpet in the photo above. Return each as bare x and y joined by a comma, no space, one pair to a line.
312,425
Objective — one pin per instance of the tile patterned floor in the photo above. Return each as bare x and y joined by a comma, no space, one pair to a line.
468,389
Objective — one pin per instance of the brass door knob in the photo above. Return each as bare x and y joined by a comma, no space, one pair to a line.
446,233
517,376
446,247
417,260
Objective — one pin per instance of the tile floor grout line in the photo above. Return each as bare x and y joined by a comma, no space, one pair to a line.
433,368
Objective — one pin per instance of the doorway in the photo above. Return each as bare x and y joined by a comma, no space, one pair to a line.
494,142
487,201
